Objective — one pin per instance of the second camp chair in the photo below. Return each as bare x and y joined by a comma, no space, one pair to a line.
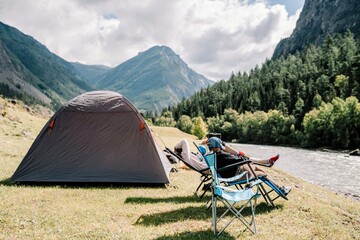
205,175
234,200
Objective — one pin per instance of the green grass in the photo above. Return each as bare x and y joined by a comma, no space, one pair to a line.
165,212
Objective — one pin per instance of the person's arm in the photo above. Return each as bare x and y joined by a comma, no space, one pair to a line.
185,153
233,151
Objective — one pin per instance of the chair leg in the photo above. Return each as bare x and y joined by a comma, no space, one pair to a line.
213,201
274,188
205,190
266,196
253,220
204,180
197,190
237,214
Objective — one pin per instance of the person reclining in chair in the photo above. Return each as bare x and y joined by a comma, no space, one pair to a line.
196,160
224,159
269,162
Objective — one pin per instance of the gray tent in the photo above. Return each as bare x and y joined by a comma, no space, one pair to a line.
97,137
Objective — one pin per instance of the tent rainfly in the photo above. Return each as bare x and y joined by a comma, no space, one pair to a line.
97,137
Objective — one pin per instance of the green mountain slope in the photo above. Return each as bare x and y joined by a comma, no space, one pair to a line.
16,79
91,73
319,18
154,79
30,68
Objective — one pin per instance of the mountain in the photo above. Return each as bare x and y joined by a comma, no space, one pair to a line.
319,18
154,79
91,73
29,68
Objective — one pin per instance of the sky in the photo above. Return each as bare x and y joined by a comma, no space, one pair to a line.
214,37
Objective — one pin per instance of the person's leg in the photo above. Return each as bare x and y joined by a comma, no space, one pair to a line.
251,169
284,189
268,161
259,172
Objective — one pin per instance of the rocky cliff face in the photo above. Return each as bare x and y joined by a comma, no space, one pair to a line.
319,18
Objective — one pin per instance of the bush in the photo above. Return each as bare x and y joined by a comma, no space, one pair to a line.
199,127
165,120
185,124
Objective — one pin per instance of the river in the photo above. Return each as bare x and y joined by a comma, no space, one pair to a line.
337,171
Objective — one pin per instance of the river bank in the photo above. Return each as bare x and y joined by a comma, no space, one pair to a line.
331,169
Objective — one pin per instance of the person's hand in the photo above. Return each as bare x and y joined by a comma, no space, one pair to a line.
241,154
204,141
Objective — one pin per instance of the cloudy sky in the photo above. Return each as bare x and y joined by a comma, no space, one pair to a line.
214,37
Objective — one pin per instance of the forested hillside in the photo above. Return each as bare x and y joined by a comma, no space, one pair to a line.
301,99
30,72
319,18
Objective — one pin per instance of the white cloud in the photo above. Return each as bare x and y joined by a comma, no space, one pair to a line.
213,37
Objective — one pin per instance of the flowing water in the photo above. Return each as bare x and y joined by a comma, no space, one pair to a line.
337,171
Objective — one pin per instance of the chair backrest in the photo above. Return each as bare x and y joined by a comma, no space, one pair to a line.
200,150
202,171
211,162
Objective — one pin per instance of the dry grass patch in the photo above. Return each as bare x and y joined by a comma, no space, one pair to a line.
152,212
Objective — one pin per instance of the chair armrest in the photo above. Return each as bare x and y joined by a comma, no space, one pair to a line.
234,165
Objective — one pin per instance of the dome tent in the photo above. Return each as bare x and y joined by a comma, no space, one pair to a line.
97,137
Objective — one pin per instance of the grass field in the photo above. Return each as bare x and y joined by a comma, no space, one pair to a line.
135,212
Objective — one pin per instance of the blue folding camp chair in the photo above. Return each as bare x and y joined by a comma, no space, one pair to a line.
231,198
269,195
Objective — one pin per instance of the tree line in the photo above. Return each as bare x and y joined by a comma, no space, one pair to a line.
309,98
8,92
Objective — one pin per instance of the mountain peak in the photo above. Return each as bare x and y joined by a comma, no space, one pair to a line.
154,79
317,19
162,50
